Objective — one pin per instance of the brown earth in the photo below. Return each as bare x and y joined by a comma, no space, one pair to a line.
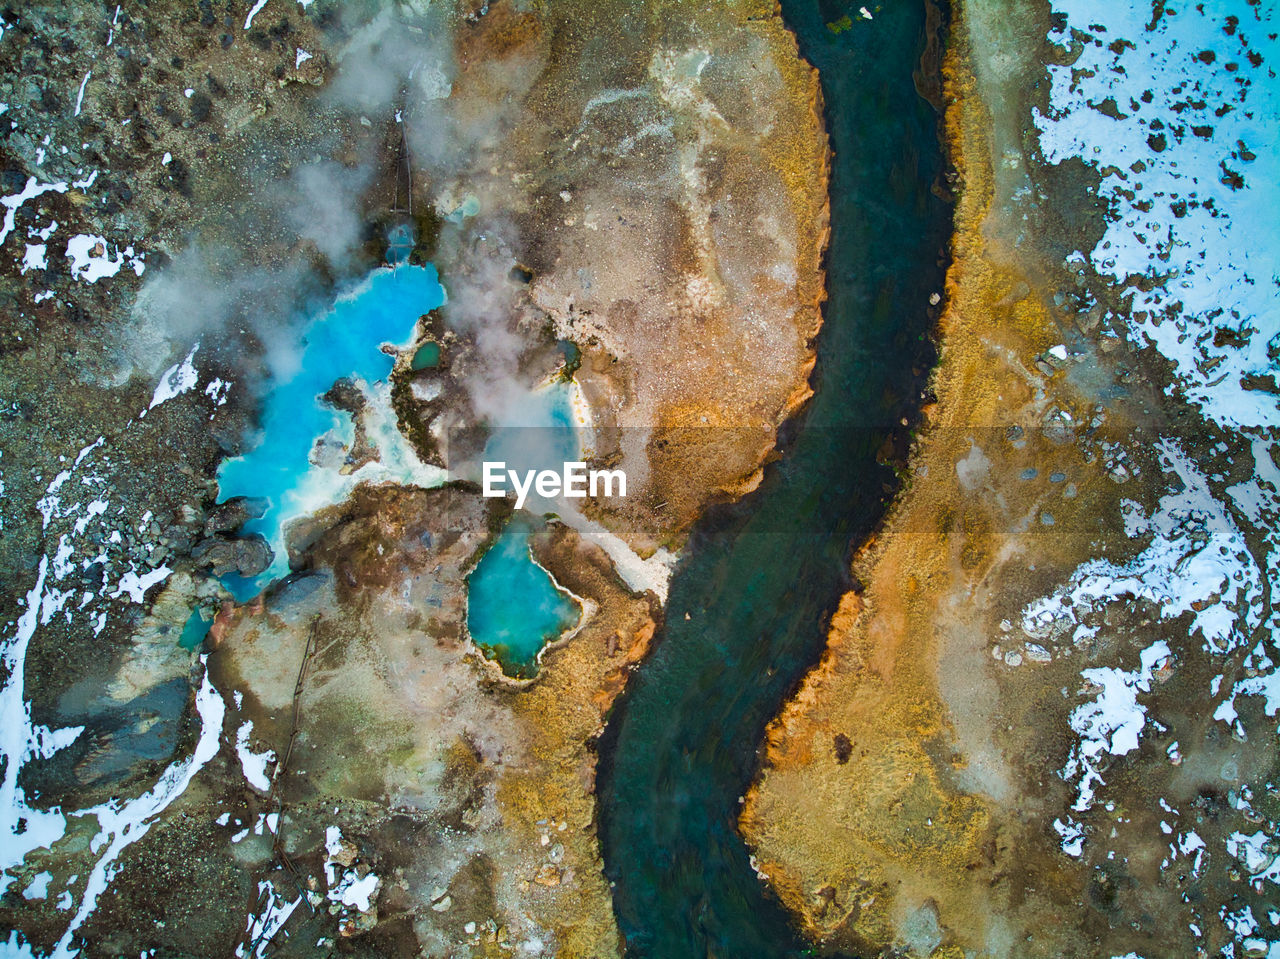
911,785
667,203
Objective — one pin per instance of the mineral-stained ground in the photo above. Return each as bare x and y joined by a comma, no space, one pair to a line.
1046,724
335,765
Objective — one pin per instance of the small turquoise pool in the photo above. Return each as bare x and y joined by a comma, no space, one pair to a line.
195,629
514,607
344,342
427,357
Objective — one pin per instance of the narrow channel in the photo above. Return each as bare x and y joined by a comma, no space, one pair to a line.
750,602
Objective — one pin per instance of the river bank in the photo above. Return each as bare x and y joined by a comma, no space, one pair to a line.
1015,742
747,603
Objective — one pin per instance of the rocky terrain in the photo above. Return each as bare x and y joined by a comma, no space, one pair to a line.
1045,724
334,766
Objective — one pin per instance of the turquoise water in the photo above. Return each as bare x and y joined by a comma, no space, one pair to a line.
195,629
749,603
341,343
427,357
513,606
538,433
399,243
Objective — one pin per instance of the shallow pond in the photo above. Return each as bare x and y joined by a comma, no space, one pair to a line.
427,357
514,607
344,342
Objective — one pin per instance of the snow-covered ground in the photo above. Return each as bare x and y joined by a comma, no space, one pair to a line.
1181,115
77,508
1177,106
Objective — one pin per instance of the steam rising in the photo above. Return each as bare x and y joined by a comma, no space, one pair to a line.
306,221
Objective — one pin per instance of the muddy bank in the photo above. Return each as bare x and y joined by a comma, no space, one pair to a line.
955,777
335,761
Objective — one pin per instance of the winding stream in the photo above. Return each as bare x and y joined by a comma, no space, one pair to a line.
760,579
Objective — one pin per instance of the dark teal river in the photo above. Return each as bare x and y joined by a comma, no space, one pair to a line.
760,579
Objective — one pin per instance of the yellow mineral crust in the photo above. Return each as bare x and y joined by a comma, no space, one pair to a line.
676,216
875,801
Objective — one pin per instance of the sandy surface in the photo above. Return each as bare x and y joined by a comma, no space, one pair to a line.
926,788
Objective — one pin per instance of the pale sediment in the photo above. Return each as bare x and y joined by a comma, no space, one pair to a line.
669,205
685,261
917,789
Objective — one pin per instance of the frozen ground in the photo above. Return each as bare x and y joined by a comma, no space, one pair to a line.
1177,106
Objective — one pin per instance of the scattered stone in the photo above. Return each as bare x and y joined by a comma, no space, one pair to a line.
248,556
548,875
230,516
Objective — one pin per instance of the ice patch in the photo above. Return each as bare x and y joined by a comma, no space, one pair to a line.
121,824
38,888
253,764
91,261
253,12
137,585
1072,834
34,258
1252,853
24,829
175,381
1113,722
32,190
80,92
267,923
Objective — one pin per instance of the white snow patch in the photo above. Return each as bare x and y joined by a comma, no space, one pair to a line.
1113,722
248,21
34,258
32,190
123,823
1252,853
351,889
253,764
38,888
357,892
1190,236
23,828
264,926
91,261
1197,557
137,585
80,93
217,390
176,380
1072,834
